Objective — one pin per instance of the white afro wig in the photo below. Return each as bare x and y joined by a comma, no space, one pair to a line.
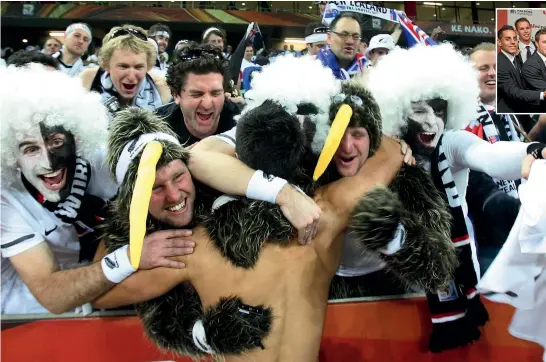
30,95
291,81
422,73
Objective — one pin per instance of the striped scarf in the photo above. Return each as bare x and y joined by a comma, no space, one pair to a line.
484,127
456,312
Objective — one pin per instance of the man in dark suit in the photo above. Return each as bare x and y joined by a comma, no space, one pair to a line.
534,70
512,97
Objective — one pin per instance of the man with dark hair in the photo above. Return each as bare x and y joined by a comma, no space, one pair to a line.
526,46
196,81
161,34
534,69
23,57
512,96
342,55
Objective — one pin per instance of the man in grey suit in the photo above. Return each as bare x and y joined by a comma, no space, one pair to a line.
534,70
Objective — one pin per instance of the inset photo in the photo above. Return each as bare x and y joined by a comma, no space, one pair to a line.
521,61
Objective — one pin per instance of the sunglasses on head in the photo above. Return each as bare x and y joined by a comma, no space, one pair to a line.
341,98
129,31
193,54
321,30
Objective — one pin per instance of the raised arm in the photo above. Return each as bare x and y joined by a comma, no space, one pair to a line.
501,160
343,195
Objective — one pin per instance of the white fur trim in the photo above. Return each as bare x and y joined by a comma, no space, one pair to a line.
33,94
200,338
133,148
290,81
421,73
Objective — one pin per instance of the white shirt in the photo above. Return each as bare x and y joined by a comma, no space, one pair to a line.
523,50
25,223
510,57
520,267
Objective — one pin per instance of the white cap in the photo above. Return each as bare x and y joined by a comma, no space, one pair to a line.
381,41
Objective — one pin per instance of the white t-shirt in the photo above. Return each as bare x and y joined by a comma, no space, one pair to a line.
25,223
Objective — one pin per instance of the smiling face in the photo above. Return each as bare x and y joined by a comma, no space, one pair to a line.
353,151
485,61
508,42
173,195
47,158
426,123
201,101
127,70
524,31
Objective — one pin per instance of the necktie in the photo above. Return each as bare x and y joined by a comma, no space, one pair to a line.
515,62
528,52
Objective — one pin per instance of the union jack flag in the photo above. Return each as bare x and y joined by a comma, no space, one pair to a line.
413,34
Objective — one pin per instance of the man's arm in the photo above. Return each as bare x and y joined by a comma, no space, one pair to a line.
212,162
532,73
58,290
344,194
142,286
87,75
501,160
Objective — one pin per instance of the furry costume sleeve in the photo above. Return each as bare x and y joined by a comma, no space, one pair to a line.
427,257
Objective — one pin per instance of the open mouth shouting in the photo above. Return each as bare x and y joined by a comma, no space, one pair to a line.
427,138
178,208
345,161
204,117
129,88
54,181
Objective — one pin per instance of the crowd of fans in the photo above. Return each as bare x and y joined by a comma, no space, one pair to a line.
198,93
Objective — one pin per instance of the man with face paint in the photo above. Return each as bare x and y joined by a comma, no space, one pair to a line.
77,39
427,109
54,189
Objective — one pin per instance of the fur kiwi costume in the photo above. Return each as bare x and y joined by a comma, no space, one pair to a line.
426,258
170,319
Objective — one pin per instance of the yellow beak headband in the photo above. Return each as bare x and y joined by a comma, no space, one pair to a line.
343,117
142,191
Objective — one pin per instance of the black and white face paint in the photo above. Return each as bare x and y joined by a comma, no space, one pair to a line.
47,158
426,123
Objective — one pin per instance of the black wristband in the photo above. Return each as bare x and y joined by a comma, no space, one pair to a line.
535,149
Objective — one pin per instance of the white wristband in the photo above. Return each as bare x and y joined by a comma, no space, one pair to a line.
264,188
116,266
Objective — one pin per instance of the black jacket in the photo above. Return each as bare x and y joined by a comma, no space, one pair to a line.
173,115
512,97
534,73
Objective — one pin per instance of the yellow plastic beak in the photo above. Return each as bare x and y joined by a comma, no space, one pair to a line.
141,199
333,140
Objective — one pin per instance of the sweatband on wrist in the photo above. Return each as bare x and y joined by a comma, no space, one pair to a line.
535,149
264,187
116,266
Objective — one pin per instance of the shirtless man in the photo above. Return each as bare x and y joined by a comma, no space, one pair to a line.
290,282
